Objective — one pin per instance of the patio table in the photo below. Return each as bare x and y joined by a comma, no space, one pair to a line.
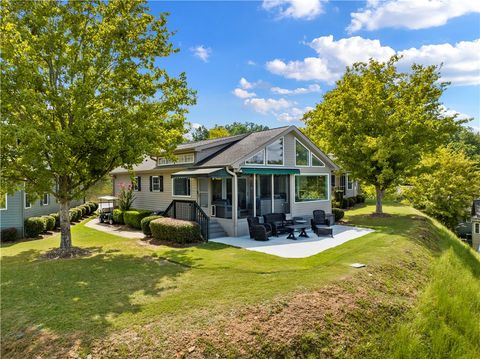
300,227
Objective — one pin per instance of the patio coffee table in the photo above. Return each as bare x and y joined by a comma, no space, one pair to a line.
300,227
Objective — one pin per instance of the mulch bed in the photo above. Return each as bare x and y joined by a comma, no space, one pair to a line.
74,252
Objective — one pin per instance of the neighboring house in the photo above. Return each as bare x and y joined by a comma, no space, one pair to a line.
344,182
476,225
274,171
16,207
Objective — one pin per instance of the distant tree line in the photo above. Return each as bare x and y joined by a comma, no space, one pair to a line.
217,131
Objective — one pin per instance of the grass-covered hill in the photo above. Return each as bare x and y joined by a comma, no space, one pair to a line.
418,297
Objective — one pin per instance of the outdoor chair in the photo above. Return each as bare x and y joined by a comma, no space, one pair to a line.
278,221
255,221
260,233
320,223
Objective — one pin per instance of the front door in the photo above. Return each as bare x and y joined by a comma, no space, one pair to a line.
203,193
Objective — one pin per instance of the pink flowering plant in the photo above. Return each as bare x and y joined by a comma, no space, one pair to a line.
126,196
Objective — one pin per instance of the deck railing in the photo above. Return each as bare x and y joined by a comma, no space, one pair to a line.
189,211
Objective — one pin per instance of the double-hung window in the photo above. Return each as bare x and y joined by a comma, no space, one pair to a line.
45,200
156,183
181,186
137,184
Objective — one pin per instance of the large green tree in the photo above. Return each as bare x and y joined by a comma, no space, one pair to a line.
83,93
378,122
445,184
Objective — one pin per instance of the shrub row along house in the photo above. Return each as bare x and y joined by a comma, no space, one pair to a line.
17,207
223,181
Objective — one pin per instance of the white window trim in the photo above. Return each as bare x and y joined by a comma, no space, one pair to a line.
258,164
283,153
159,184
349,188
6,204
136,184
189,184
311,161
25,201
316,175
42,202
308,157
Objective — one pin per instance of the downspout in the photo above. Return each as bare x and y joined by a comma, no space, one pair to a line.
234,200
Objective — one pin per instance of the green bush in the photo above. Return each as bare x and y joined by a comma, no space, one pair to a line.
118,216
8,234
133,218
344,203
49,223
34,226
351,201
57,218
75,214
360,198
84,210
92,205
175,230
338,213
338,195
87,209
145,223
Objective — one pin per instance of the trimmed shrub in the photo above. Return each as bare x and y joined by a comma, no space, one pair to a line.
49,223
8,234
351,201
145,223
75,214
118,216
34,226
133,218
82,209
175,230
344,203
338,195
360,198
338,213
57,218
92,205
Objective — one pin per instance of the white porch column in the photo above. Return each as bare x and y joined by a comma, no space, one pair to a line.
254,195
273,194
235,204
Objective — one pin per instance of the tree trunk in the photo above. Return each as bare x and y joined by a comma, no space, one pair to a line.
379,193
66,235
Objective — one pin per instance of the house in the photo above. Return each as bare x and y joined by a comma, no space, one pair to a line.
16,207
274,171
476,225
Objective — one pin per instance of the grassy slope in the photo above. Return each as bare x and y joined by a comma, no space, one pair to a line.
130,298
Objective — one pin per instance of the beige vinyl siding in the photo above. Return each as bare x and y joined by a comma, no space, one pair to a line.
155,201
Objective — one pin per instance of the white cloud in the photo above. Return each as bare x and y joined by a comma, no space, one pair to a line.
461,61
251,63
296,9
243,93
410,14
244,84
265,106
293,114
202,52
297,91
449,112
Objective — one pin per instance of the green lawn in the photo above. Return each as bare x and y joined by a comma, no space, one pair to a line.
129,297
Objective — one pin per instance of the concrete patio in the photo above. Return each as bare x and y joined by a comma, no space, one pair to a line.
300,248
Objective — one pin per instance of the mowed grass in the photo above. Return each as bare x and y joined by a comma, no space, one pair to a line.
52,307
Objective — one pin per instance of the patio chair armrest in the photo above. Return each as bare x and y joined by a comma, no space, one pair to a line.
267,226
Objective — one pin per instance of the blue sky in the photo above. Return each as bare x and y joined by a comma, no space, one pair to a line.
289,53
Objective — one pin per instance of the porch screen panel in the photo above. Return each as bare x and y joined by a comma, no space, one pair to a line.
281,191
311,188
264,194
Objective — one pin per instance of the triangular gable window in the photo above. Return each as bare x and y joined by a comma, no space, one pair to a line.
316,162
302,154
257,159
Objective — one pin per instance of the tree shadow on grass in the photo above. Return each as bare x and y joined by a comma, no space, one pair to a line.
46,302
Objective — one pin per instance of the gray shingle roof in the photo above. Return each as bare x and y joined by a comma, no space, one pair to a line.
243,147
147,165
